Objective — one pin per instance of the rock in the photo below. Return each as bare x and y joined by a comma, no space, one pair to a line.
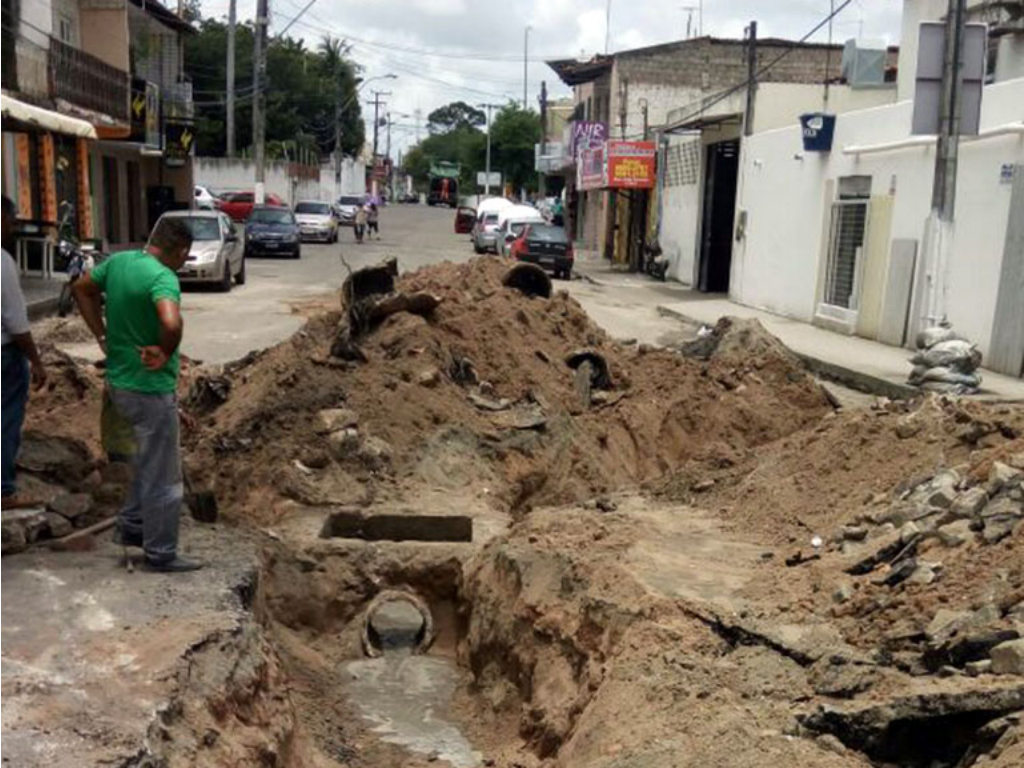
1002,475
1016,461
64,459
854,532
334,419
998,528
907,427
956,533
109,493
943,496
703,485
21,527
119,472
1008,658
344,443
970,502
831,743
909,531
1002,507
59,525
944,621
898,573
980,667
970,643
841,680
844,591
375,452
604,504
72,505
923,574
429,378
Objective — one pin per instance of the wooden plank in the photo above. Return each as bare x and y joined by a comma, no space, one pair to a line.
893,319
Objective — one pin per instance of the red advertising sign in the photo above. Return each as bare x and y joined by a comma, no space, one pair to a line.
630,164
591,168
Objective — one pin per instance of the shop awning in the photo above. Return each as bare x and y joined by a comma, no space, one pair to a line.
44,119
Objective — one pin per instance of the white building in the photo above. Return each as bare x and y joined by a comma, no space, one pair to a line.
834,238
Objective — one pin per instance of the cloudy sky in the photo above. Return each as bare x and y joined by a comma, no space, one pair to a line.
472,50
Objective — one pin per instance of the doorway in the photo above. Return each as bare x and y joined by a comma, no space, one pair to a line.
721,169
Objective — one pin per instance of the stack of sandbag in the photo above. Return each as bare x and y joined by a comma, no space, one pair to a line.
945,362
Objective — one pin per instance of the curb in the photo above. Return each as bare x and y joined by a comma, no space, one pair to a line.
849,377
37,310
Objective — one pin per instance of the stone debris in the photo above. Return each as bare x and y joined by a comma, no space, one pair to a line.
1008,658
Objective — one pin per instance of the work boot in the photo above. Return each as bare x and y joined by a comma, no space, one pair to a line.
177,565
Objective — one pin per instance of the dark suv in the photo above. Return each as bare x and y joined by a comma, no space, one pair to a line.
547,246
272,231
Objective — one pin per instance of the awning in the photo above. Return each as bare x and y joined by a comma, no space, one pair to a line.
44,119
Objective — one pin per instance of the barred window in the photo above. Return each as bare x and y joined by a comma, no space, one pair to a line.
682,164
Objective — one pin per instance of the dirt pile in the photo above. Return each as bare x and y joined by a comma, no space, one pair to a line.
482,382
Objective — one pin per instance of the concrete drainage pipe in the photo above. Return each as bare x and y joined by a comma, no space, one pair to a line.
397,619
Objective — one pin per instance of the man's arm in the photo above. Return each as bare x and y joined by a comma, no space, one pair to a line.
172,327
15,320
88,296
27,345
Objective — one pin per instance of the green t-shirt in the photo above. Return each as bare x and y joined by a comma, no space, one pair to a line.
133,282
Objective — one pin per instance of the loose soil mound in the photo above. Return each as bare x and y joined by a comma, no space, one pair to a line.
485,376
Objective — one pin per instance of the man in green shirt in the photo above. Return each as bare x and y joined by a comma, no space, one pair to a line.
140,329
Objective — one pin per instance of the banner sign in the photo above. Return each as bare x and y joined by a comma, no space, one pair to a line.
586,134
630,164
180,139
591,167
145,113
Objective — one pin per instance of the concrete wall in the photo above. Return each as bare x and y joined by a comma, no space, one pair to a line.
104,34
239,174
787,195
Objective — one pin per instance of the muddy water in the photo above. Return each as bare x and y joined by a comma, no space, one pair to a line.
404,696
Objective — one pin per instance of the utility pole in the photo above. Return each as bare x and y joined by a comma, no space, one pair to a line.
526,48
418,114
607,24
387,155
231,80
339,111
939,229
376,117
259,118
487,162
748,115
644,111
542,181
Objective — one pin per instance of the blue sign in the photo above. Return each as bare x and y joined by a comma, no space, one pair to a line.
817,129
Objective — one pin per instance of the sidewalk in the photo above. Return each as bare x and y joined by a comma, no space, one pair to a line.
853,361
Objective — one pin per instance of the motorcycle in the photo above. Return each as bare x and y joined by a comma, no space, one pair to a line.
77,259
655,263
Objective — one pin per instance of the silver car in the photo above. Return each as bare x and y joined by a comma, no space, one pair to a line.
316,221
346,208
485,233
217,255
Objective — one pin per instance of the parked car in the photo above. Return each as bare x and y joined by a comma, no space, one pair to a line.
511,222
316,221
346,208
547,246
217,254
238,205
272,231
205,198
485,233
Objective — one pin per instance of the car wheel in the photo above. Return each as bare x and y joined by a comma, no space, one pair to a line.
225,282
240,277
297,254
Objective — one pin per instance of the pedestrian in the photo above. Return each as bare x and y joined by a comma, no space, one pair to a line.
21,361
373,220
139,327
362,216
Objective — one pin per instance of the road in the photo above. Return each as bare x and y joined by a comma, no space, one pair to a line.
263,312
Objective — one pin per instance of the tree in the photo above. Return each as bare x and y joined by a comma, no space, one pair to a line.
305,89
514,133
455,116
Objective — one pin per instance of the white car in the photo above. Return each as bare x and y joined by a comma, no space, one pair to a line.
217,255
346,208
205,199
316,221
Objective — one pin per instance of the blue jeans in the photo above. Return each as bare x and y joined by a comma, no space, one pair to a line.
15,396
153,507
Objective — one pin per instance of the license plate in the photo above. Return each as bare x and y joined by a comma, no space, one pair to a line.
270,246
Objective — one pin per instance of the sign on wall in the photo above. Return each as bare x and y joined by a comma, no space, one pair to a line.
145,113
180,138
931,48
631,164
591,167
586,134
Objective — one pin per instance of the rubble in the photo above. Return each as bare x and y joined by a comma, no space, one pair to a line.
1008,657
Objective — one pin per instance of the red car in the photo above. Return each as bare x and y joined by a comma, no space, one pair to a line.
238,205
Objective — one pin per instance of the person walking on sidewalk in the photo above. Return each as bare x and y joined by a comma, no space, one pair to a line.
20,361
140,334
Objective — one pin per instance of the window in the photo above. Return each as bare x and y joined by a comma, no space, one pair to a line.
66,29
846,242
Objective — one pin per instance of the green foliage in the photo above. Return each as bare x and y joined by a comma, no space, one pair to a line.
514,132
454,116
304,92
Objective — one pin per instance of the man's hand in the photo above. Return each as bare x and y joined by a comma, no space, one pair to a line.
38,375
153,357
102,342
